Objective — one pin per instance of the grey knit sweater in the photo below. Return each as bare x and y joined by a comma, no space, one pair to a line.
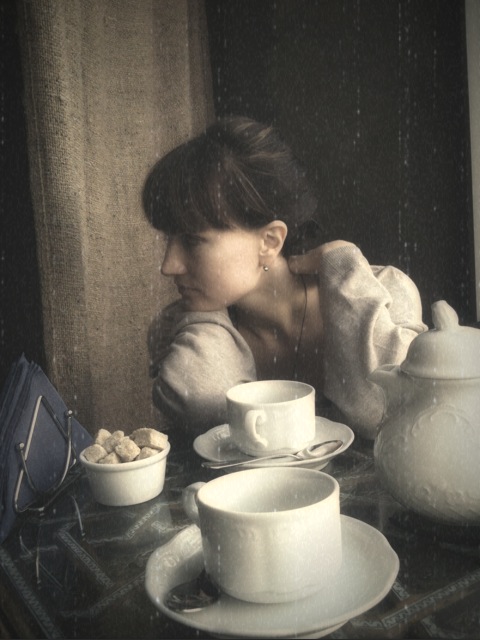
370,315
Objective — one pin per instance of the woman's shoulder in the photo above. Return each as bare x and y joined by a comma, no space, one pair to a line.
184,336
402,289
173,321
177,317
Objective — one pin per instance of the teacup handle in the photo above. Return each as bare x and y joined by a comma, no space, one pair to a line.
254,418
189,501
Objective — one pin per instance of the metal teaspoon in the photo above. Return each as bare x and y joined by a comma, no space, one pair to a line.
318,450
193,595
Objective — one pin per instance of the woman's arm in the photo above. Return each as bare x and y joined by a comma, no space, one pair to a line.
370,316
196,357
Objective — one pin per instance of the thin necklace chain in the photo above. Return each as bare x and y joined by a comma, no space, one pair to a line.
299,341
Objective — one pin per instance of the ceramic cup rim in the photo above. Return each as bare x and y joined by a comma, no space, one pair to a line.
203,501
239,393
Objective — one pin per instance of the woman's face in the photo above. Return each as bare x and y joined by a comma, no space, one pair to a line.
215,268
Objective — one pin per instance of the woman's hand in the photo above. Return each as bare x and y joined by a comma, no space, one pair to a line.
310,261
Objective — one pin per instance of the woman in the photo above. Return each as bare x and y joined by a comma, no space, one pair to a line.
238,214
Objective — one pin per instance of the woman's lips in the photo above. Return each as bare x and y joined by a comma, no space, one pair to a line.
183,290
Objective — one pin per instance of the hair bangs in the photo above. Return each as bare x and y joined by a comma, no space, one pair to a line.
184,191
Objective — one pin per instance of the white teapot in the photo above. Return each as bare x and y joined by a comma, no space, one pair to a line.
427,451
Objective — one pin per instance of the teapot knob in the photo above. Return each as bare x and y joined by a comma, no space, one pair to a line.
443,316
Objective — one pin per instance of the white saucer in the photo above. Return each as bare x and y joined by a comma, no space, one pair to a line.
217,446
368,571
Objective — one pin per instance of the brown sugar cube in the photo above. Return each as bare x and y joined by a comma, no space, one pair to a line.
152,438
94,453
101,436
127,450
111,442
112,458
147,452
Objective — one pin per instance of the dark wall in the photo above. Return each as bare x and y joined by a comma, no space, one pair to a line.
372,95
20,310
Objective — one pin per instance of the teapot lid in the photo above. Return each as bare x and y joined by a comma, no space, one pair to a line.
449,351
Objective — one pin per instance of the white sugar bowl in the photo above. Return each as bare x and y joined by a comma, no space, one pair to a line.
127,483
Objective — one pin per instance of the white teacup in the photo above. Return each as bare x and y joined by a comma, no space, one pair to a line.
271,416
270,534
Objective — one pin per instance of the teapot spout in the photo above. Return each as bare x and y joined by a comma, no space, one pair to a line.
385,376
393,384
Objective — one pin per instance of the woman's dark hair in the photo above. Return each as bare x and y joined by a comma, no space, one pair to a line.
237,173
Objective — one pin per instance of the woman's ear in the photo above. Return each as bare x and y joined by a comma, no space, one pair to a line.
273,237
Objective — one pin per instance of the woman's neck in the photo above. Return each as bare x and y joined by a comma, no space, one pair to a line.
276,305
281,322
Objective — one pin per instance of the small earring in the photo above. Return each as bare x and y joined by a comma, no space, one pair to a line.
265,267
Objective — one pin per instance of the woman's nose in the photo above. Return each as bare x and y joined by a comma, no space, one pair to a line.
173,262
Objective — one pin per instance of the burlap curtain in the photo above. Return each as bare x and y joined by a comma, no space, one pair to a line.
110,85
